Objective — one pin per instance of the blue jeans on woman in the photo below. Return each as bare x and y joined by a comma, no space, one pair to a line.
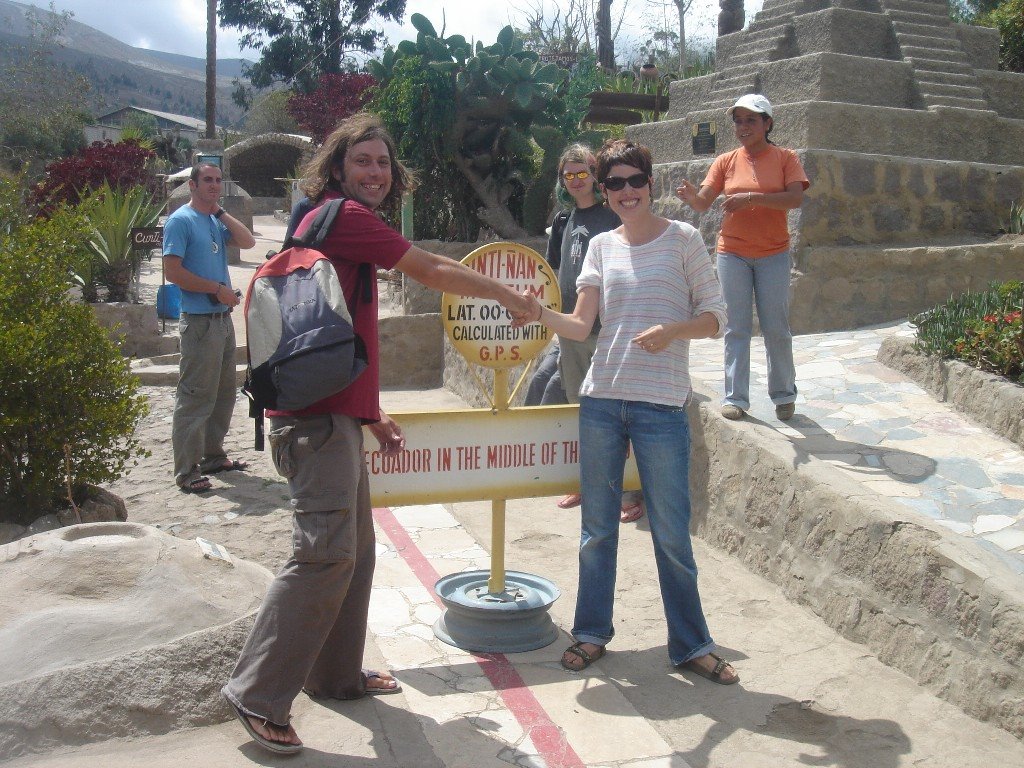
660,435
766,281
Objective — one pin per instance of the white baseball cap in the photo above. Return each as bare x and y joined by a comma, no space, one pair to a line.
755,102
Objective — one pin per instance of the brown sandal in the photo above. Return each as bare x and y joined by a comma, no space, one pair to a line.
714,674
576,649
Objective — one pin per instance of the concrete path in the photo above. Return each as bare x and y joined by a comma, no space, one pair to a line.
807,696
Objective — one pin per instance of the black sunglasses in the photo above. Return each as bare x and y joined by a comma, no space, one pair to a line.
615,183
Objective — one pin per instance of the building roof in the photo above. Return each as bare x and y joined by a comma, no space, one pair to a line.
184,120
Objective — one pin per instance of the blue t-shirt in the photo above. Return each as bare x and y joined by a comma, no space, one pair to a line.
200,241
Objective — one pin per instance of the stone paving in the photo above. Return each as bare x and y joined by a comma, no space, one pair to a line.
890,435
872,422
808,696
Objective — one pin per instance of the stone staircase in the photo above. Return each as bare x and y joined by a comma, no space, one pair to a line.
929,43
774,30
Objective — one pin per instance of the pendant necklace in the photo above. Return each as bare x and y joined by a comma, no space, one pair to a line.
213,238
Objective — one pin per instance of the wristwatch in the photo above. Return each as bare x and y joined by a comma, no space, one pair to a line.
219,213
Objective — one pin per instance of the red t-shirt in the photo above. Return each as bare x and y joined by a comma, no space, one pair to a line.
358,236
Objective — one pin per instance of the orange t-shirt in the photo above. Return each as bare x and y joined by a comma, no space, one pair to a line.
756,231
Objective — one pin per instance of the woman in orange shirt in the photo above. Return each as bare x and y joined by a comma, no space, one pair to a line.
761,182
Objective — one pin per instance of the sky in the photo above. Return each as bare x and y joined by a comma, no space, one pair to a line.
179,26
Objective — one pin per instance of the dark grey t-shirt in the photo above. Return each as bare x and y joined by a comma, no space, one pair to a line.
568,245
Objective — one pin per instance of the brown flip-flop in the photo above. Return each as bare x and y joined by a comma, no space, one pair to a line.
631,512
570,501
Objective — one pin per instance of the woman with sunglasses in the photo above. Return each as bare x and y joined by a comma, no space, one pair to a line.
654,287
761,182
583,216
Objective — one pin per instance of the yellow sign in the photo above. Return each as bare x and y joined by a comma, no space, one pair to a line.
474,455
480,329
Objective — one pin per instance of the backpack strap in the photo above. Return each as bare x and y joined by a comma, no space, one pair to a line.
320,226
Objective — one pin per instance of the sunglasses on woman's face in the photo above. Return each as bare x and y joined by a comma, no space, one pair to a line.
615,183
581,175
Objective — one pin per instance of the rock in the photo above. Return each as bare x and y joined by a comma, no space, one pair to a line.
102,506
42,524
10,531
116,629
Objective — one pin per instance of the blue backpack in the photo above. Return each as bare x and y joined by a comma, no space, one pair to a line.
300,342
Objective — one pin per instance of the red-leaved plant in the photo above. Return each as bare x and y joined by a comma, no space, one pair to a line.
335,98
121,165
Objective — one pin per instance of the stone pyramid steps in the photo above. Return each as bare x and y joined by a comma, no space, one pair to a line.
928,30
930,7
912,17
928,67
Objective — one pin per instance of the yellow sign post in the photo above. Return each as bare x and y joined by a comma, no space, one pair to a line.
491,454
480,329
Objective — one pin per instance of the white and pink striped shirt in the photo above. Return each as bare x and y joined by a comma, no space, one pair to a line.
668,280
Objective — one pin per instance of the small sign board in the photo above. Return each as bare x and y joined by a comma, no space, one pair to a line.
480,329
146,238
566,59
704,138
475,455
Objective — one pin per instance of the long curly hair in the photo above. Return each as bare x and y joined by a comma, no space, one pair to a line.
318,174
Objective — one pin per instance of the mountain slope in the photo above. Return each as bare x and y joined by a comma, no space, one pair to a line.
122,75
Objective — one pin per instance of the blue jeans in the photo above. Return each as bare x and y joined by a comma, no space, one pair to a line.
546,384
766,280
661,443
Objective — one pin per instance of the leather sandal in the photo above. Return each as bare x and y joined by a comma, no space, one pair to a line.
576,649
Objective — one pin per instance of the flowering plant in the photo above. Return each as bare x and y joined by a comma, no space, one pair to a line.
984,330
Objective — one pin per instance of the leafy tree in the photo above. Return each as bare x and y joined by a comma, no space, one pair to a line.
71,403
299,40
966,11
143,122
336,97
43,104
1008,18
568,30
475,111
270,115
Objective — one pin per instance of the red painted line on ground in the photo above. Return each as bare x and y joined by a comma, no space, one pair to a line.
520,701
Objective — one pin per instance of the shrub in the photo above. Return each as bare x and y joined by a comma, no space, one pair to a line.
1008,18
121,165
984,330
70,403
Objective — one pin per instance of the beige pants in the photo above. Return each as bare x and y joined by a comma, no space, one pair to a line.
311,629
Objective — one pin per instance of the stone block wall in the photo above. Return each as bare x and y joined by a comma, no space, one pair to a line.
949,616
855,32
857,199
942,134
839,288
135,328
411,351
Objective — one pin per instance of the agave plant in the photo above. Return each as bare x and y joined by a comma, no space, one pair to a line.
112,213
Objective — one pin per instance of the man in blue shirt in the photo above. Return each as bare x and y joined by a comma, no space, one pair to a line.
195,259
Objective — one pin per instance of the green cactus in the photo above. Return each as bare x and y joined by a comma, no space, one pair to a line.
502,98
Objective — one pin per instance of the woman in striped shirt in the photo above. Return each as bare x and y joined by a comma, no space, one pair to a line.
652,284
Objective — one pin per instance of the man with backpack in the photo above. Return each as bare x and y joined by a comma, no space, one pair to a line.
311,629
196,237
